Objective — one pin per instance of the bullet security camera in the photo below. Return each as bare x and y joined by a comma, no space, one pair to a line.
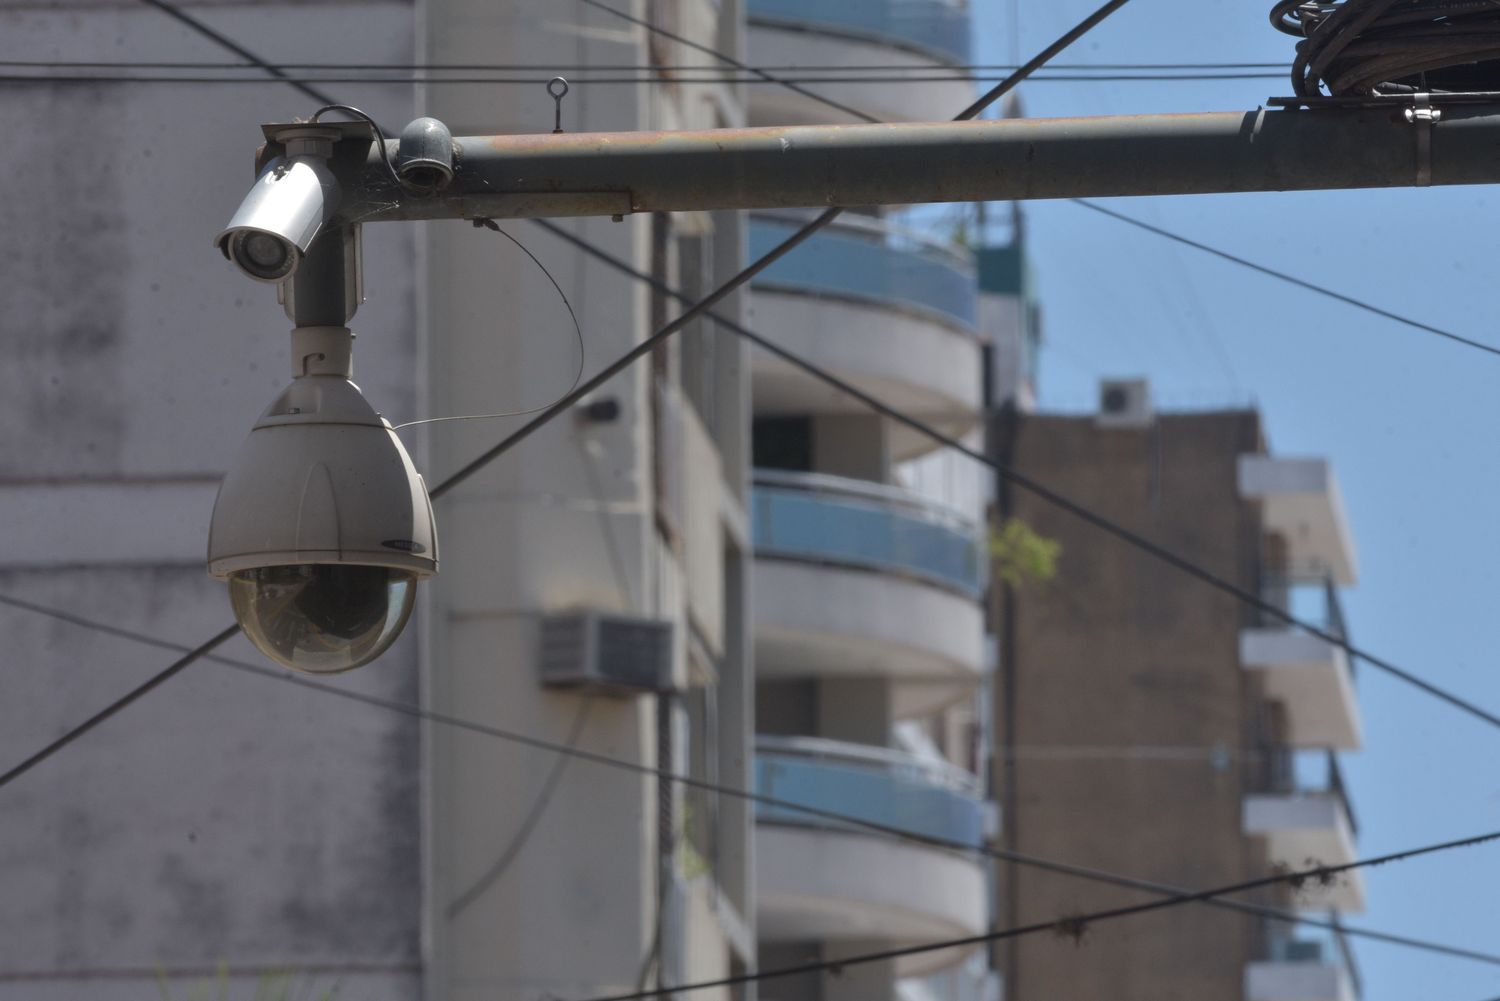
295,194
322,526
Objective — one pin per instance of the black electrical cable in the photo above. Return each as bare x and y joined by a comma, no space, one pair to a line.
1058,500
690,314
681,40
569,750
1320,873
1364,47
381,145
1290,279
225,42
745,274
566,402
1074,927
1044,492
150,685
793,83
565,754
651,68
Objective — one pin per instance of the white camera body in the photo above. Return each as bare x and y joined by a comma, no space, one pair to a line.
322,525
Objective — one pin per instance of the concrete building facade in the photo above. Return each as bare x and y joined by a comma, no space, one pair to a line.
868,581
235,828
1150,726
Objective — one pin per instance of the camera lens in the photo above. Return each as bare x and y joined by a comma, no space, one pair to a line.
262,255
322,618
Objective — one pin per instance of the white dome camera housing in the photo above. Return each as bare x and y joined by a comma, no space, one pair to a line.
322,526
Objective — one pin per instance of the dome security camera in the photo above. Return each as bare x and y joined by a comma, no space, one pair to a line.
322,527
293,197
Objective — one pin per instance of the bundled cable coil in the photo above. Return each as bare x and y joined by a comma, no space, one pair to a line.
1357,48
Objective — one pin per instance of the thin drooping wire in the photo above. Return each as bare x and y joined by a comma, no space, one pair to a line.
231,45
1042,491
490,225
871,827
1290,279
533,816
1070,927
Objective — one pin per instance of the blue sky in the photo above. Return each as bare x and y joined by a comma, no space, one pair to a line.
1407,419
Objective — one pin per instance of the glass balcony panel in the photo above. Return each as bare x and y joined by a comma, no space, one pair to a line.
872,784
872,261
936,27
824,518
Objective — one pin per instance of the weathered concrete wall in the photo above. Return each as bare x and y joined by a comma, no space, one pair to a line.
566,520
226,818
1117,656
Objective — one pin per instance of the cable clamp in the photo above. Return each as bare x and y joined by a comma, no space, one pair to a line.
1423,115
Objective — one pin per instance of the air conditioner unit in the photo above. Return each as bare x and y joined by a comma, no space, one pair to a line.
615,654
1124,403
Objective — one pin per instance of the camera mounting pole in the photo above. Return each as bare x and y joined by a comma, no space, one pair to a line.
1349,145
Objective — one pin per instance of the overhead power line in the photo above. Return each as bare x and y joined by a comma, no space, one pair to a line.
1290,279
145,688
570,750
554,68
1074,927
704,305
1042,491
655,79
701,307
564,404
722,57
229,44
1047,494
615,80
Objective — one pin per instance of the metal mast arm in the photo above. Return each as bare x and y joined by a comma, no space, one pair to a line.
509,176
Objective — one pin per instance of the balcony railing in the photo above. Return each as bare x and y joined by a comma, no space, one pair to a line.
830,519
1328,948
873,784
870,261
1278,776
1315,601
939,28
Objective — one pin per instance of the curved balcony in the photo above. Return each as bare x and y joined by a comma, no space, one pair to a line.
821,880
904,37
889,310
856,578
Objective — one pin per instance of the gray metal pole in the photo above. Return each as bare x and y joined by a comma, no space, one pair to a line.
511,176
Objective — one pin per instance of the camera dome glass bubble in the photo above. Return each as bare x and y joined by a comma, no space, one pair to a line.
322,618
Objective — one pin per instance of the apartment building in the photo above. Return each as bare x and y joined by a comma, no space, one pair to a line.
1150,726
238,831
868,622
